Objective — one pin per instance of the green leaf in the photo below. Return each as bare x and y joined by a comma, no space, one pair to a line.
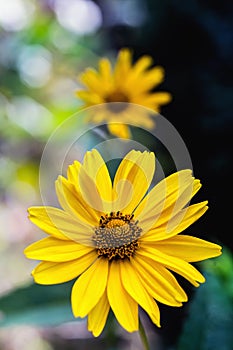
210,321
37,304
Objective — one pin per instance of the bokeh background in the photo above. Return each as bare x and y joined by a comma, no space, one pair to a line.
44,45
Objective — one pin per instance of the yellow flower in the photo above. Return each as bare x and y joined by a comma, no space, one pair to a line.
127,83
122,242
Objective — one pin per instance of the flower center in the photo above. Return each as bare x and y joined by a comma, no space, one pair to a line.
117,236
117,96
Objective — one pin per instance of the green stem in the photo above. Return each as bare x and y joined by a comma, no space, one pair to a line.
143,336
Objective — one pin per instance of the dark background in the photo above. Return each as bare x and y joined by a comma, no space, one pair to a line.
193,41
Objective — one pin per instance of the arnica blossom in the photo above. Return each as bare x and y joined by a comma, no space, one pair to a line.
120,241
127,83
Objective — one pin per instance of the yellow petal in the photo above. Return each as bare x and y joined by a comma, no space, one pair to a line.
96,168
196,187
175,224
56,250
119,130
89,288
122,66
136,289
188,248
159,282
60,224
90,193
135,81
105,68
99,115
142,64
157,98
91,180
122,304
93,81
41,217
171,210
98,315
138,116
106,73
137,70
90,98
73,171
168,193
132,180
148,80
73,202
52,273
177,265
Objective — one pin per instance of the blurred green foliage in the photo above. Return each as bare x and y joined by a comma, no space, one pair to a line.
210,320
37,305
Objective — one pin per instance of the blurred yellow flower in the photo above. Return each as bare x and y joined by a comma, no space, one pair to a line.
127,83
122,243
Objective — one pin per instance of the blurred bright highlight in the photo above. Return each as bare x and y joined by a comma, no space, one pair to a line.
78,16
16,14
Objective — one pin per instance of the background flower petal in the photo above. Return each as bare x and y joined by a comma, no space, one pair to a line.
92,80
148,80
119,130
122,66
151,100
105,69
91,98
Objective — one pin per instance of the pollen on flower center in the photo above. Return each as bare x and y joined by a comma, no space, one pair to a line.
117,236
116,96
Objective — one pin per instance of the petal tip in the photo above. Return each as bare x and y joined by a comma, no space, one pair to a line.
94,333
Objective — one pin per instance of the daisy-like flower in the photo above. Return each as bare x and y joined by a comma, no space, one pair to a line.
127,83
121,241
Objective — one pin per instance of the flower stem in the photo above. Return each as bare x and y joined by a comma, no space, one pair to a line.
143,336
